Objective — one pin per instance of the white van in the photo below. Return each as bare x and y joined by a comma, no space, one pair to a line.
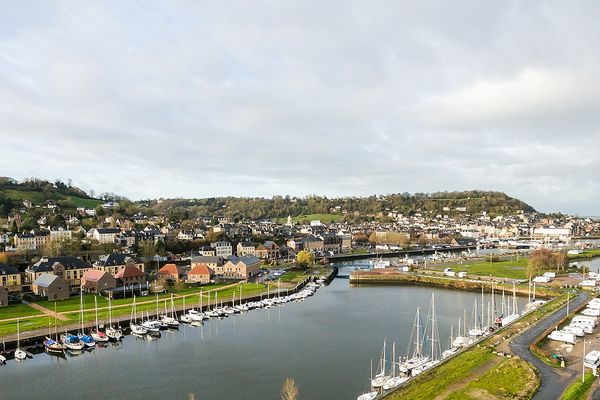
591,312
589,319
586,326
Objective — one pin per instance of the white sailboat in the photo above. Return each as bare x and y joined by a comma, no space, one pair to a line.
418,358
381,377
184,317
396,379
137,329
96,333
19,354
113,333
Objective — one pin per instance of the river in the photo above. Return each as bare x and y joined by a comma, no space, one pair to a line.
324,343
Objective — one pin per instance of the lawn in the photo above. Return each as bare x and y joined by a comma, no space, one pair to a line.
579,390
512,379
585,254
436,382
87,203
17,311
294,275
505,269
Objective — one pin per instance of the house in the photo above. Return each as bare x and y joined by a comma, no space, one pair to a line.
115,262
313,244
212,262
71,269
10,278
170,272
332,242
104,235
295,244
463,242
130,275
95,281
222,249
60,234
245,248
3,297
201,273
207,251
185,235
34,240
239,268
53,287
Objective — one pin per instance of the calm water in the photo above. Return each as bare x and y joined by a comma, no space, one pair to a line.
325,343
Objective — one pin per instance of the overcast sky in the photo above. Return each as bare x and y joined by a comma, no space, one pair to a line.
256,98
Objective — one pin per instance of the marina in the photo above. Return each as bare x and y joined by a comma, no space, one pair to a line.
307,341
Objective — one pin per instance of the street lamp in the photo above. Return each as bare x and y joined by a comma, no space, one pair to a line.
583,363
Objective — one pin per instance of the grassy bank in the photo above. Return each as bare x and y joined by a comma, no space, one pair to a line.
579,390
513,378
501,269
585,254
453,376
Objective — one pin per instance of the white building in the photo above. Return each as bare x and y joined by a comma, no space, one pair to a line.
60,234
222,249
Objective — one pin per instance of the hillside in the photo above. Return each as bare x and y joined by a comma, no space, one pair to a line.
238,208
13,193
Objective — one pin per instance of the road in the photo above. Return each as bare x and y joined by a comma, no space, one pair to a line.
554,380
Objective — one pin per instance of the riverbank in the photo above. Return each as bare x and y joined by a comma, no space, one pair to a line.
34,338
391,276
484,370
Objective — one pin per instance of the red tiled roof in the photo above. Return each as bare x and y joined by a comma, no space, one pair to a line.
93,275
170,269
129,272
201,269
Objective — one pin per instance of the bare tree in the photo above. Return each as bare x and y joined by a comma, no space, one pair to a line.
289,391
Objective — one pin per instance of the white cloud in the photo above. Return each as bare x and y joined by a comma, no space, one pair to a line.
210,98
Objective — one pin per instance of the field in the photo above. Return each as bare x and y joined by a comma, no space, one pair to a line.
505,269
17,311
39,198
578,390
585,254
311,217
512,379
293,276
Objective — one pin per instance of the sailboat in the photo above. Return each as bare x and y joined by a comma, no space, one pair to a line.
418,358
96,333
170,320
19,354
195,315
434,335
87,340
475,330
380,378
368,395
136,328
511,317
396,379
53,345
451,348
113,333
184,316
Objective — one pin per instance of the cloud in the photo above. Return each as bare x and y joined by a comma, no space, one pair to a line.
302,97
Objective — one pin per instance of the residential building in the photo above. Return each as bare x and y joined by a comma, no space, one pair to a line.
104,235
130,275
261,252
34,240
222,249
10,278
245,248
272,249
239,268
95,281
71,269
207,251
51,286
200,273
212,262
313,244
170,272
115,262
60,234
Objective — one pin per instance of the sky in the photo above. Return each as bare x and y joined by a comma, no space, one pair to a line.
259,98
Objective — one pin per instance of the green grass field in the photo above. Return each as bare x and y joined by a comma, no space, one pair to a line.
578,390
293,276
585,254
17,311
505,269
39,198
512,379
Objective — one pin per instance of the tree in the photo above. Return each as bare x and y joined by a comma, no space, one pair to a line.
305,258
289,391
543,259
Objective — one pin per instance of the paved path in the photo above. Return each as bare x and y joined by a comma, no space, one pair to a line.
48,312
554,380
